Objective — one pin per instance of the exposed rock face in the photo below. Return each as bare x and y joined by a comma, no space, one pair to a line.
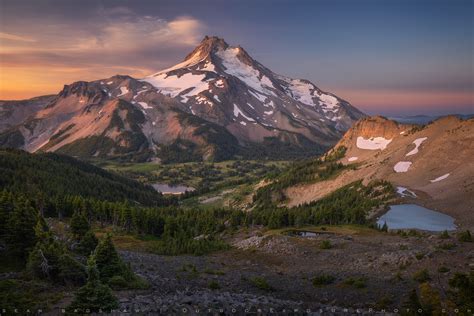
216,103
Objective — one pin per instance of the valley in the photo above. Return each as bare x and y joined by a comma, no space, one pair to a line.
258,234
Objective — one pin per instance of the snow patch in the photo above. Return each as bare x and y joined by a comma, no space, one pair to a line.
110,82
144,105
123,91
238,111
373,143
301,91
250,105
417,143
402,191
251,76
217,98
440,178
353,158
174,85
257,95
208,67
243,123
268,112
328,102
219,83
402,166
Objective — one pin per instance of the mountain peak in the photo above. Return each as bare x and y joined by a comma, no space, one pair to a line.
208,45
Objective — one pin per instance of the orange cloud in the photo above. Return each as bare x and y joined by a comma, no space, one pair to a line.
61,55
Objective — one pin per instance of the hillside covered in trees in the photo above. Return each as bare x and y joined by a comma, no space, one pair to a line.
54,175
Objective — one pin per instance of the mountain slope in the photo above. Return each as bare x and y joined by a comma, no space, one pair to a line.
58,175
434,161
217,103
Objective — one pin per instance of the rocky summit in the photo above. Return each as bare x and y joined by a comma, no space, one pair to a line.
216,104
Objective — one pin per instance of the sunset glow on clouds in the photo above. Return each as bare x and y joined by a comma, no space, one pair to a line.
385,59
116,42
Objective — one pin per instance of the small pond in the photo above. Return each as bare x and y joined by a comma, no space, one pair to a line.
171,189
412,216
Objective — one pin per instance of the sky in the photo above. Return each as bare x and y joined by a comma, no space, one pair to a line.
402,57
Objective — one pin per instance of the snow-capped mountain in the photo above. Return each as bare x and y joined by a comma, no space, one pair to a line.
217,103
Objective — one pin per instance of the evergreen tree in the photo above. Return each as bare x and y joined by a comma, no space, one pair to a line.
94,297
6,208
88,243
79,225
50,259
108,260
20,236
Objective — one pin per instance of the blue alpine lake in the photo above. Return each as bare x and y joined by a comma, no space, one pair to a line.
412,216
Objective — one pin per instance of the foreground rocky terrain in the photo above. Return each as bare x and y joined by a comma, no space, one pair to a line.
276,271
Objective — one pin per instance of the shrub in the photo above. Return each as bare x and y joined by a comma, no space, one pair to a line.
325,244
420,255
465,236
213,285
447,246
443,269
462,287
323,279
358,283
444,235
422,276
260,283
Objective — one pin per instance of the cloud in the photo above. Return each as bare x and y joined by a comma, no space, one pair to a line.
113,38
13,37
113,41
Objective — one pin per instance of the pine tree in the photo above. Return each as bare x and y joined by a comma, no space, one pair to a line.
79,225
20,236
88,243
50,259
108,260
6,208
94,297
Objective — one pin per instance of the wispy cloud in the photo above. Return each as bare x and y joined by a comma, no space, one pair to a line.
13,37
113,41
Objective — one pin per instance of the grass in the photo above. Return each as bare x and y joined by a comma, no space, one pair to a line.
260,283
191,173
349,229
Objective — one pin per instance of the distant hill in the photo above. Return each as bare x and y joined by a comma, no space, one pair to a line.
434,161
425,119
58,175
